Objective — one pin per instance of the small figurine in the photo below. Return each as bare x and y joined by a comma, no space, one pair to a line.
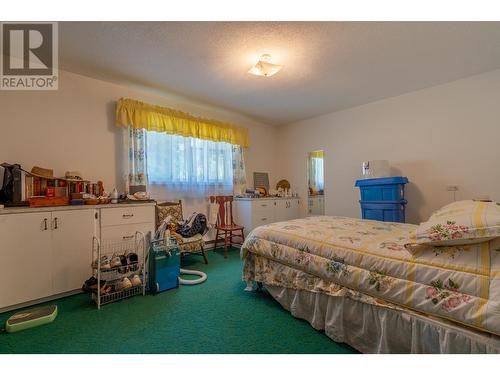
100,189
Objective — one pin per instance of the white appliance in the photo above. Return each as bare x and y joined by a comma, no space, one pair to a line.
376,169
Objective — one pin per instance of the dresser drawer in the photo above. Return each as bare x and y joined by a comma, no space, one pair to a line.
262,205
262,216
127,215
263,210
125,232
261,220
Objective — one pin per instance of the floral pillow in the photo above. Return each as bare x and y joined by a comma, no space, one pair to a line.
461,223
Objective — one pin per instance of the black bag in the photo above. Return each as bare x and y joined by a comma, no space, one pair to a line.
197,223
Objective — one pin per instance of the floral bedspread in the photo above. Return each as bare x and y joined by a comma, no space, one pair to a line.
324,253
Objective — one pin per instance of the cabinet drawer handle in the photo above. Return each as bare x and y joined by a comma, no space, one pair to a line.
127,216
45,224
128,237
264,219
263,205
55,223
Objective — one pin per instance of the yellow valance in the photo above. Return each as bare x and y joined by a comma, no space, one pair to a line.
141,115
316,154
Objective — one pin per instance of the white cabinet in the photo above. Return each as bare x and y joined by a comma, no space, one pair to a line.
252,213
47,252
287,209
72,233
25,245
316,205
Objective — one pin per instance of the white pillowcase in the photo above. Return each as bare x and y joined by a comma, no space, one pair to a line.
461,223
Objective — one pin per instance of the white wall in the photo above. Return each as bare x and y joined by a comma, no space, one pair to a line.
446,134
73,129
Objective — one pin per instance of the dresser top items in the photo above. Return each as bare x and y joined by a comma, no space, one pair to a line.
18,210
263,198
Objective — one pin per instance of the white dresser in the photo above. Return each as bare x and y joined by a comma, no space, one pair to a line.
47,252
253,212
316,205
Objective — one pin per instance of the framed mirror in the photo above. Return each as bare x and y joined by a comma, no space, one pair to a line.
316,182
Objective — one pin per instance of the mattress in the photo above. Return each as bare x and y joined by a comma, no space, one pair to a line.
334,255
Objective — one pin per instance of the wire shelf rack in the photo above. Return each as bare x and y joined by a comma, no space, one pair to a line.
116,296
120,268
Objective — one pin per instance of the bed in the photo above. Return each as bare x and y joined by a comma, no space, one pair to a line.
355,280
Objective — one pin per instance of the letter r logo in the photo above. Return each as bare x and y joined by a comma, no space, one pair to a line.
27,49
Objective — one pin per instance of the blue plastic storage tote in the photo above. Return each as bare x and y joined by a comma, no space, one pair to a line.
394,212
382,189
383,199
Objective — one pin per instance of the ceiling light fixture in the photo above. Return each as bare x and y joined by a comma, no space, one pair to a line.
265,67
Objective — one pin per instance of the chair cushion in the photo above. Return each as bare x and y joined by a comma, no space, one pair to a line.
174,209
192,244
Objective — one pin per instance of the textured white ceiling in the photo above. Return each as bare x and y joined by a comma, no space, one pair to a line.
328,65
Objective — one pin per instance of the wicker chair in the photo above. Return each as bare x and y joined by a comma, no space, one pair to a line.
191,245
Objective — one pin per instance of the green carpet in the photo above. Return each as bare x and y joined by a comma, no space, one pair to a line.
214,317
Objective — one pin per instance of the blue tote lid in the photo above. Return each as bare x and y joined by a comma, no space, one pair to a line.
398,180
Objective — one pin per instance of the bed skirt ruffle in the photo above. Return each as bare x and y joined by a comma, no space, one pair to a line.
375,329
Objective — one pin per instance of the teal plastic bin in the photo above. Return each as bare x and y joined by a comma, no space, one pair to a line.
164,266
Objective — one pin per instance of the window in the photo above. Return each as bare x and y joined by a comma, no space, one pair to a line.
316,174
189,164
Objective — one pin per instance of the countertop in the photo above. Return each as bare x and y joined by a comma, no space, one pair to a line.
19,210
263,199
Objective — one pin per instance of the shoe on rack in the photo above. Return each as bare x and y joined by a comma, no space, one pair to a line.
126,283
123,264
133,261
115,262
123,260
90,285
118,286
136,280
103,262
107,289
132,258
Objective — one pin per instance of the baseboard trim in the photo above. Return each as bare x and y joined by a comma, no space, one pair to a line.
40,300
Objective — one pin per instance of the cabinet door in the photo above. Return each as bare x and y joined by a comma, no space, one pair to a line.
287,209
294,209
72,233
282,210
321,203
25,248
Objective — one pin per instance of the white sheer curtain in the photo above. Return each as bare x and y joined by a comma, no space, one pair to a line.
316,174
189,167
239,172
